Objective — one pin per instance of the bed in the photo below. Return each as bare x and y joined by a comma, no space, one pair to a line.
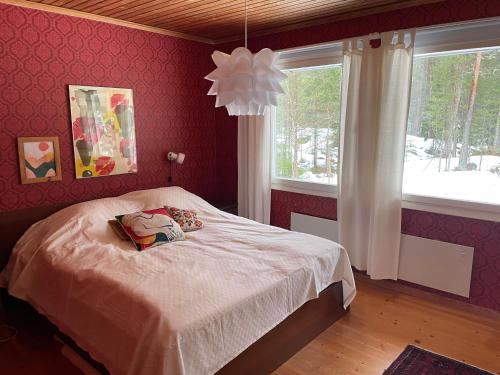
198,306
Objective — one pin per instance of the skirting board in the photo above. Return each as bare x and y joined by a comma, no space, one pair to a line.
434,264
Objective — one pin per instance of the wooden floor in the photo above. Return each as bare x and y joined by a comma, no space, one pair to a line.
379,326
382,322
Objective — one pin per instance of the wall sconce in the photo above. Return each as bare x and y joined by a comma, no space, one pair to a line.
178,158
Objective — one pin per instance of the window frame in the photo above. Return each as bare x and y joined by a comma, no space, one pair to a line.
470,35
309,57
453,207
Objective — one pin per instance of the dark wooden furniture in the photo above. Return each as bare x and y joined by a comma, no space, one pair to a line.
13,224
287,338
264,356
230,207
275,347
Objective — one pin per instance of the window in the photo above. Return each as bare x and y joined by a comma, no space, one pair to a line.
306,125
453,136
452,158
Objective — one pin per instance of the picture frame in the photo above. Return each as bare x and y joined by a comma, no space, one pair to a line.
103,129
39,159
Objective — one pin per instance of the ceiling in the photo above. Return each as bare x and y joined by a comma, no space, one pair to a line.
216,21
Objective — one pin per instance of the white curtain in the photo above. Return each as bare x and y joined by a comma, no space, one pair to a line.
254,167
375,92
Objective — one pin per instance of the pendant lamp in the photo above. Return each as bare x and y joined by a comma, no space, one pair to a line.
243,82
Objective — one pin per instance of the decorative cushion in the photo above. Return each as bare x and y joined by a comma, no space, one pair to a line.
187,219
118,229
150,228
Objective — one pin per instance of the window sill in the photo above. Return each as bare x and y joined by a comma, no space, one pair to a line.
304,187
473,210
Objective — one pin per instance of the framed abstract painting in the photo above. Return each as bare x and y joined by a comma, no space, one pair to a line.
102,121
39,159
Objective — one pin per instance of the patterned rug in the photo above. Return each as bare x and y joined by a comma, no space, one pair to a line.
416,361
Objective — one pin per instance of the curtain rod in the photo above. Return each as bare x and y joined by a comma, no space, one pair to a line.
429,28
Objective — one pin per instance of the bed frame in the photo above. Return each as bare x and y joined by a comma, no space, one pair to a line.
262,357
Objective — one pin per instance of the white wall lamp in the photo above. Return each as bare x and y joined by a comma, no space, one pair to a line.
178,158
172,157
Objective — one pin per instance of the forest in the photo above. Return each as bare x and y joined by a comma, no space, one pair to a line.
455,102
308,123
453,124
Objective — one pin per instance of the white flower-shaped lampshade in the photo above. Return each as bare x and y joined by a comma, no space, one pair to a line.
245,83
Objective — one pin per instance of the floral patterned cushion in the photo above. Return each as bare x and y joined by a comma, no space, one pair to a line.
187,219
150,228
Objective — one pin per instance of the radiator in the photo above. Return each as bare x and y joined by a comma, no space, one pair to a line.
435,264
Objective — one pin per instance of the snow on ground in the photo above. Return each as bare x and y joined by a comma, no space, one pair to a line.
416,148
417,152
423,176
471,186
321,178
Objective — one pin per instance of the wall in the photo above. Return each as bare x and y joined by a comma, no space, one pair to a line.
41,53
484,236
227,149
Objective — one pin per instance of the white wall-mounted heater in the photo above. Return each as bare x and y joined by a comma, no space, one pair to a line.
435,264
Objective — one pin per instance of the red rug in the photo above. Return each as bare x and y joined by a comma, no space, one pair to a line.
416,361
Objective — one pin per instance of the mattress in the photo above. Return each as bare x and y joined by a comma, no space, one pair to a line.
187,307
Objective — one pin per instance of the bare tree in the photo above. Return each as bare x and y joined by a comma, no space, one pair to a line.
422,93
451,140
292,122
497,132
465,150
294,128
315,136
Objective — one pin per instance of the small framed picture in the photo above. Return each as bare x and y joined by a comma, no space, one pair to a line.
39,159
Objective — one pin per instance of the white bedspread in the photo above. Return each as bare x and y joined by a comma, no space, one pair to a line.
186,307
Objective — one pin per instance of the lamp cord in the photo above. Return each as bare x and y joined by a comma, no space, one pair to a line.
12,332
246,24
169,178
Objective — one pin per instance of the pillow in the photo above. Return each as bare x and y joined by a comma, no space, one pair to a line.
187,219
118,229
150,228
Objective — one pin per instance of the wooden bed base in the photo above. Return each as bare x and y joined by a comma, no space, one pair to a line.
275,347
287,338
262,357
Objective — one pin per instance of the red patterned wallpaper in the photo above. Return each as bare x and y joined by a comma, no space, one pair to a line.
283,203
482,235
41,53
227,149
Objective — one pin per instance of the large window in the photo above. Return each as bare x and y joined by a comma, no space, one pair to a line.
452,158
306,125
453,138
